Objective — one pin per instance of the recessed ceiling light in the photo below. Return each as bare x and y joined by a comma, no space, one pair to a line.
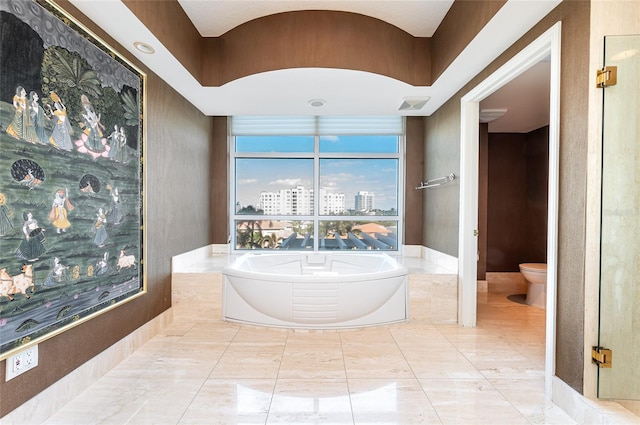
144,47
413,103
316,103
488,115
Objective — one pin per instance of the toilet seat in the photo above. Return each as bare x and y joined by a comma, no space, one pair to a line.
534,267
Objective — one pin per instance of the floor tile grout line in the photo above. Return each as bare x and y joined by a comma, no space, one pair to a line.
509,401
346,377
204,380
490,328
275,381
222,354
415,377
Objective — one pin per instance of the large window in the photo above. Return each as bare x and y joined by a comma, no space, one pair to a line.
317,183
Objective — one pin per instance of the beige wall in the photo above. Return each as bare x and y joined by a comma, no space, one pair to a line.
414,153
442,156
177,220
218,182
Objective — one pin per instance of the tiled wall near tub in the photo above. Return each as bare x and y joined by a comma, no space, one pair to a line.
432,297
197,296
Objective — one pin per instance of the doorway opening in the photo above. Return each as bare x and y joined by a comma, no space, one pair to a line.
547,45
513,186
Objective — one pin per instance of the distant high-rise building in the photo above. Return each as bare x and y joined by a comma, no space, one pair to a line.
331,203
294,201
299,201
364,201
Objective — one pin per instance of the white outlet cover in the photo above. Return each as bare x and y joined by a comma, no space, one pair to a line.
21,362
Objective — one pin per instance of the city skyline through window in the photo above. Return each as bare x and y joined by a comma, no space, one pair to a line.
312,191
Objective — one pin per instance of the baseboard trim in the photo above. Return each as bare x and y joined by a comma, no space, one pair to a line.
589,411
37,409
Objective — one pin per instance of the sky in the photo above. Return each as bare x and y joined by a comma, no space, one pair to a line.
339,175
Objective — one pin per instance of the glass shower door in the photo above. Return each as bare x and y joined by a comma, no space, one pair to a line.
619,328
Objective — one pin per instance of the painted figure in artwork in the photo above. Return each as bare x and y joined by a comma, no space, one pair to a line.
89,184
20,126
6,284
125,261
6,227
30,180
115,214
32,246
38,118
28,173
100,228
59,210
62,131
58,273
118,140
23,282
102,266
93,141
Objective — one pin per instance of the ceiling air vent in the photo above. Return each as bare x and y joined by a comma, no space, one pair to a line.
413,103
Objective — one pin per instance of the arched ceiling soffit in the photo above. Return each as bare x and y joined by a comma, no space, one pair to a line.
316,39
213,18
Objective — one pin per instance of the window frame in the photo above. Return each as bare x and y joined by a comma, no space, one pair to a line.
315,218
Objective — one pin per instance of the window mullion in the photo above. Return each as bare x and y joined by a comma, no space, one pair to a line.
316,193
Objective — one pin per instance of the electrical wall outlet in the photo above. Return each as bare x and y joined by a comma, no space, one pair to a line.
21,362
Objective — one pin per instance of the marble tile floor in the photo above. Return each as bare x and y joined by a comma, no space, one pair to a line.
202,370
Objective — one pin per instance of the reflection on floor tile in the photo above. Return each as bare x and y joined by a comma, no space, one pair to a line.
230,401
314,400
201,370
391,401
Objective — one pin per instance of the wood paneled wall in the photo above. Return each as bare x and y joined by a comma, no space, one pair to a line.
517,181
314,38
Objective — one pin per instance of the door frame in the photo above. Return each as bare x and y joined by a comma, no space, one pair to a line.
546,45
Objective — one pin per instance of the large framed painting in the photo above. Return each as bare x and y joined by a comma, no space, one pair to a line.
71,175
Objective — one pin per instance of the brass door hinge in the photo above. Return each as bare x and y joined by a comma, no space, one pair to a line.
601,356
607,76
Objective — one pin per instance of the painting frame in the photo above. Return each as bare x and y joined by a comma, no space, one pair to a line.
72,176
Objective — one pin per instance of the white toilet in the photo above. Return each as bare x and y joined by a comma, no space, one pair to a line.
536,276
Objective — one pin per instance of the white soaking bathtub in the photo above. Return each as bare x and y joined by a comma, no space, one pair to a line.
315,290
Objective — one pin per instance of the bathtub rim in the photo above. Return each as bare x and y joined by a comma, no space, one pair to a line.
233,270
